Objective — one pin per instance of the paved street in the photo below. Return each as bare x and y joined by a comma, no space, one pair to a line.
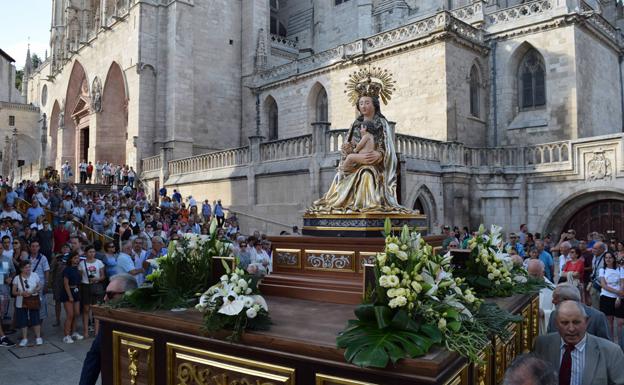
54,363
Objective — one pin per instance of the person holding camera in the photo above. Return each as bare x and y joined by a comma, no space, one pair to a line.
26,289
92,285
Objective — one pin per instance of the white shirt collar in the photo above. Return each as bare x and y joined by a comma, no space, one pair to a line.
580,346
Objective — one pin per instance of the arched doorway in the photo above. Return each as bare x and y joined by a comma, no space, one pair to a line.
603,216
426,205
53,133
111,132
74,118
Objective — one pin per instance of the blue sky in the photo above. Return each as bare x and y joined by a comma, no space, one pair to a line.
20,19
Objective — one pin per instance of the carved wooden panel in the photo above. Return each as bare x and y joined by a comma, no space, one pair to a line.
328,260
190,366
133,359
526,329
460,378
534,320
366,258
482,373
287,258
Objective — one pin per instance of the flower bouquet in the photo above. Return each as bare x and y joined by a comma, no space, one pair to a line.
416,304
491,271
234,303
177,277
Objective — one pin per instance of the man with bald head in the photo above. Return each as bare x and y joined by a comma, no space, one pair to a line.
535,268
581,358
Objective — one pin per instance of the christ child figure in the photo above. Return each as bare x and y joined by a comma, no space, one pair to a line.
365,152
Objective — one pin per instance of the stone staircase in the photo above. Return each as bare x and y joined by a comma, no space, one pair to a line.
98,188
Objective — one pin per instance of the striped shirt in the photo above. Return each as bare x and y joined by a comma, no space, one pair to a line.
578,360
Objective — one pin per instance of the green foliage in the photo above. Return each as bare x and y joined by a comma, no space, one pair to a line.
367,344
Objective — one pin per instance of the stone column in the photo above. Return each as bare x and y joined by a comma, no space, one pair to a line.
165,157
6,157
320,143
254,161
44,144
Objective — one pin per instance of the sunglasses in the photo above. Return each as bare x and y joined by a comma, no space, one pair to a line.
113,294
26,284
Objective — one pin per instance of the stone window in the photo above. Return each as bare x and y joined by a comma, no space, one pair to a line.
321,106
11,120
475,94
272,118
338,2
532,81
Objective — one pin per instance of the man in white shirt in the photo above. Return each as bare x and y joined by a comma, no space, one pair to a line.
564,256
535,268
125,263
98,172
138,256
9,212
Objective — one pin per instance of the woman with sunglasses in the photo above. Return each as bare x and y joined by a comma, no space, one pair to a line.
70,297
611,279
110,259
25,285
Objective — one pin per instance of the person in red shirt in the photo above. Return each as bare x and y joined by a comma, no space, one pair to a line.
576,266
61,237
89,171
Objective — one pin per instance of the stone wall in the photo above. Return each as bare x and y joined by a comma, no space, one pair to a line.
27,125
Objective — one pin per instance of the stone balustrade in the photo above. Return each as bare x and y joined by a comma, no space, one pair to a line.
471,13
535,158
442,21
281,41
153,163
335,139
218,159
521,11
296,147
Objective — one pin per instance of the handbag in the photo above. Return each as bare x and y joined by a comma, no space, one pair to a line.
32,302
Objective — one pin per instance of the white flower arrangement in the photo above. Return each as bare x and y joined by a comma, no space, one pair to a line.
234,303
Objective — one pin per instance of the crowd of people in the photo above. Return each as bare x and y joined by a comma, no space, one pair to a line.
46,248
100,173
581,307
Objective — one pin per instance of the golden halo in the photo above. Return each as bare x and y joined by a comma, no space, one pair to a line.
373,82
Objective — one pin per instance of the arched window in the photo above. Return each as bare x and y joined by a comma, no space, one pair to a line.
321,106
475,99
532,81
272,118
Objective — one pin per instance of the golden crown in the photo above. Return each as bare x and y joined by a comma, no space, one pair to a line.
373,82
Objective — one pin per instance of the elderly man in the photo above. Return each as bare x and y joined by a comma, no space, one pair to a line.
582,359
118,285
535,268
527,369
547,259
514,244
598,250
597,322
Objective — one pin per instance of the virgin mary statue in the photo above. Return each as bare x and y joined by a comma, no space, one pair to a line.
365,183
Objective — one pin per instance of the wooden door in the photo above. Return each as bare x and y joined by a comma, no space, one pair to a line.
602,216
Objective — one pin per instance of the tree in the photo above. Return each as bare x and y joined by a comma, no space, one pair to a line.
36,61
19,75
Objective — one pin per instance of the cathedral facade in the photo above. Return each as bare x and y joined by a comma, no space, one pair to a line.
505,111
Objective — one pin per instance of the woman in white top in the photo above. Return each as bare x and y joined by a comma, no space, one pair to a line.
260,259
26,284
93,274
611,279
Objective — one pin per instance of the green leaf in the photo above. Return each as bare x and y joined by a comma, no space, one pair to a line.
452,314
432,332
454,325
383,315
365,312
387,227
368,346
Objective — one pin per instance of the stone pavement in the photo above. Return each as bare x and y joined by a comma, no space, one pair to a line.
54,363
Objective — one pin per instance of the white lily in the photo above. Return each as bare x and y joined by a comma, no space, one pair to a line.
232,304
260,301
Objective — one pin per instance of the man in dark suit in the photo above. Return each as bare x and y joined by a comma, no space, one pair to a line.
582,358
91,367
597,321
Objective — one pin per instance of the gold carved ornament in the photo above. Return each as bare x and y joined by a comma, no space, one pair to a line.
133,365
371,81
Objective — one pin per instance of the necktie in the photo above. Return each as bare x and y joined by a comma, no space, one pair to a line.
565,371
